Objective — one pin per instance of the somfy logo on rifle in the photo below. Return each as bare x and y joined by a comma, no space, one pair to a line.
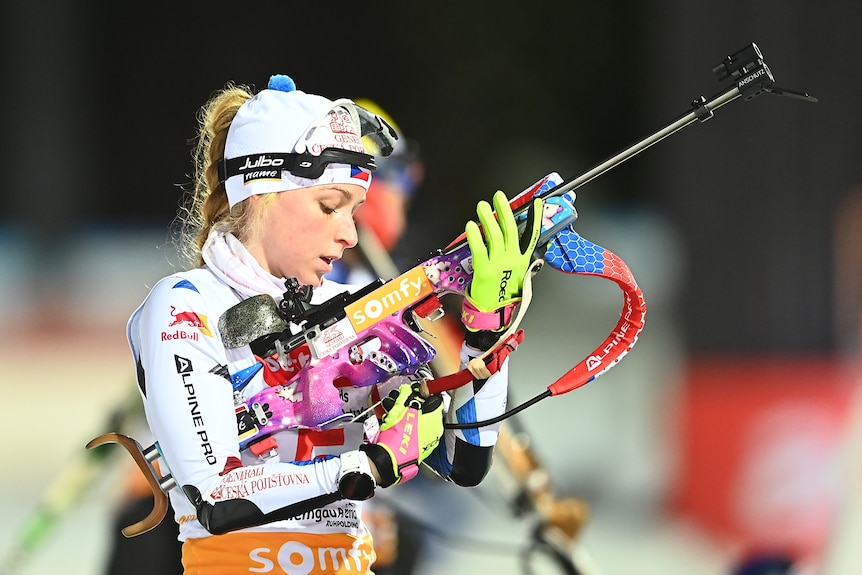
392,296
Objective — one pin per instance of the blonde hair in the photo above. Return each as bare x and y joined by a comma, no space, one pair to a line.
206,204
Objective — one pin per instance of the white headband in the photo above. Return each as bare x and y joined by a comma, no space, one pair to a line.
283,120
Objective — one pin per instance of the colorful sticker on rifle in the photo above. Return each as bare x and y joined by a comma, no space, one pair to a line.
284,371
246,422
389,298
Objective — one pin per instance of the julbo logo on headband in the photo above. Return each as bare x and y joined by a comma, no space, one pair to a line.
262,161
259,166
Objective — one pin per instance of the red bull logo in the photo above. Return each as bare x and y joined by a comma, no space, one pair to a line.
191,319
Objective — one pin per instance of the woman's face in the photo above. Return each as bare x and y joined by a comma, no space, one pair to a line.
305,230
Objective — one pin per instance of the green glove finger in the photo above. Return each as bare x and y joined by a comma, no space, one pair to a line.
477,244
398,410
490,228
506,221
501,255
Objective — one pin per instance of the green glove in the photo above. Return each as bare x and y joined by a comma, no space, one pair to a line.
500,260
409,432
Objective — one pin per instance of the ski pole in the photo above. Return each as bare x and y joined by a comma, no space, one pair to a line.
66,490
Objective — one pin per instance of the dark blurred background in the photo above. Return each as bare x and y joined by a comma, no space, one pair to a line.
100,103
743,231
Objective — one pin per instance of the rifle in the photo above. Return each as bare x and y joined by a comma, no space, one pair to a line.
366,337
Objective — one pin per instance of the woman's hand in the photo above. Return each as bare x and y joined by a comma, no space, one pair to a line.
501,258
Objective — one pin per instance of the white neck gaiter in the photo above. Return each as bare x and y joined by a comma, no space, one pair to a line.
233,264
